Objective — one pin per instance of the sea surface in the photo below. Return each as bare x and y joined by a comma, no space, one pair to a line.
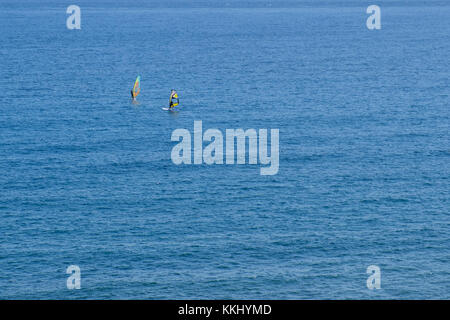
86,177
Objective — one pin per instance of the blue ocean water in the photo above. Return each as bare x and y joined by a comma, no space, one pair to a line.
86,178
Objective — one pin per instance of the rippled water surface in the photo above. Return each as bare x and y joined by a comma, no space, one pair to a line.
86,178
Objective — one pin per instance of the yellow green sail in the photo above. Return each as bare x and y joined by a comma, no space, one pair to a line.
137,87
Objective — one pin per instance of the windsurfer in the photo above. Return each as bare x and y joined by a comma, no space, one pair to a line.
173,100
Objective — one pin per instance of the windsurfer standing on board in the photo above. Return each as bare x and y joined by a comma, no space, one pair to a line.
136,89
173,96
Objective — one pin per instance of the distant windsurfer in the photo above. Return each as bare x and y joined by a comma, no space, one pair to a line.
136,89
173,100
